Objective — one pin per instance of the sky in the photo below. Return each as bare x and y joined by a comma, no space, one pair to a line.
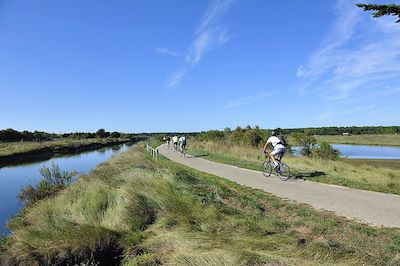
177,65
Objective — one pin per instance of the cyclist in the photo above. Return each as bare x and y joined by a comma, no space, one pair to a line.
168,140
175,142
277,144
182,142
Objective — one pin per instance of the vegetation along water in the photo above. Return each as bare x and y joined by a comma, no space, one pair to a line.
136,210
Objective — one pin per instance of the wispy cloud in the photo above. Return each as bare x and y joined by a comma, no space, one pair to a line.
208,35
166,51
358,52
249,99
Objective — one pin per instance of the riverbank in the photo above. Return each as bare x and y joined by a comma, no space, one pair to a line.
377,163
135,210
365,139
22,152
361,175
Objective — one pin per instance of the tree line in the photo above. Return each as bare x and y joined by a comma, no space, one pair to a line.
254,136
350,130
11,135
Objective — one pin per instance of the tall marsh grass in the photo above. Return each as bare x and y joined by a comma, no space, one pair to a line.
135,210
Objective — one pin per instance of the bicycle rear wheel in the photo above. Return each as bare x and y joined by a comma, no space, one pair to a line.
284,171
267,168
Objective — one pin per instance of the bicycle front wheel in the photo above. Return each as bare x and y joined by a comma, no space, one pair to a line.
284,171
267,168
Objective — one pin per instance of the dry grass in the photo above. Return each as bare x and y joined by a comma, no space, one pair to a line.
339,172
133,210
366,139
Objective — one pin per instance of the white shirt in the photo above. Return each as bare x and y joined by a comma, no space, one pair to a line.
274,141
174,139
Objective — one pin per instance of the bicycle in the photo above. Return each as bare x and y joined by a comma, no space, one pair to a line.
183,151
282,170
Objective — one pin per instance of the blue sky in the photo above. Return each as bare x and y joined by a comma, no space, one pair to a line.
177,65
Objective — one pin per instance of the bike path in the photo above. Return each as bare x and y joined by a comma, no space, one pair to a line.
370,207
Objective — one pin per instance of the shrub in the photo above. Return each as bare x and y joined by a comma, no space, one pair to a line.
53,181
306,141
115,134
324,151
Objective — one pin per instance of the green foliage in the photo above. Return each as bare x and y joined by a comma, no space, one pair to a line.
351,130
382,10
324,150
133,210
101,133
306,141
53,181
310,147
214,135
115,134
253,137
13,135
249,136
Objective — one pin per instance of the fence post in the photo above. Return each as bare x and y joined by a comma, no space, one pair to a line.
154,152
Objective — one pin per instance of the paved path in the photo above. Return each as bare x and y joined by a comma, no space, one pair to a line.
365,206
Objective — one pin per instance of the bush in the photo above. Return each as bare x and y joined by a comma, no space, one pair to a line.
53,181
115,134
213,135
306,141
324,151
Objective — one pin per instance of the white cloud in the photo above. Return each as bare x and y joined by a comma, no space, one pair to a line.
208,35
166,51
359,52
246,100
175,78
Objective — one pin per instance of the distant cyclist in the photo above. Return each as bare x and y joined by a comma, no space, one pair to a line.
278,144
182,141
175,142
168,140
182,145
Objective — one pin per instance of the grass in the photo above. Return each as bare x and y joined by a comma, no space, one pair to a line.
135,210
13,148
359,174
377,163
365,139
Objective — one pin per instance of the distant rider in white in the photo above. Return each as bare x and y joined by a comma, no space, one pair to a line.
175,142
279,148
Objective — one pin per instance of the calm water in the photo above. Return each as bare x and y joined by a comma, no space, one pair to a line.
364,152
13,178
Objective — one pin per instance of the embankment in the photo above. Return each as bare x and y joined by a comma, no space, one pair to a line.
46,150
136,210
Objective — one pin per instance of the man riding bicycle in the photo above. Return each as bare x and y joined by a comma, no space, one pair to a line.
278,145
175,142
182,142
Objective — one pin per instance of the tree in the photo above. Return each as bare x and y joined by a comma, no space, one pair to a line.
115,134
382,10
306,141
101,133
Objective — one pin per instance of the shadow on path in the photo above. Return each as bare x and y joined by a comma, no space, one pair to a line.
305,175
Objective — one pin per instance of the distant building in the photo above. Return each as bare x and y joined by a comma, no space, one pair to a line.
346,134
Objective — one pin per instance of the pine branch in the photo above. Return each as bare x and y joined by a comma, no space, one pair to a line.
382,10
